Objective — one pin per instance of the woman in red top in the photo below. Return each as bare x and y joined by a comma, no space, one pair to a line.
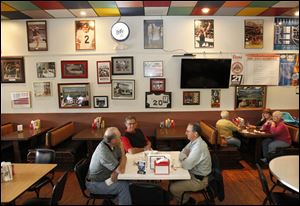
281,135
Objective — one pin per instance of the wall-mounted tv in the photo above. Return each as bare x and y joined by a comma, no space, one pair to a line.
205,73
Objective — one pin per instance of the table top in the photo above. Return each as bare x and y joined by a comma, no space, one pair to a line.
25,175
25,135
170,133
253,133
176,171
286,170
89,134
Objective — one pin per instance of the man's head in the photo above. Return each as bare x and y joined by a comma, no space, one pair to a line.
112,136
130,123
193,131
85,27
225,115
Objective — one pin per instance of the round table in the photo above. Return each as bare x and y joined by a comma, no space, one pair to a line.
286,170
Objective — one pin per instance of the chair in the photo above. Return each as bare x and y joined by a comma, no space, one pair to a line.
155,195
81,170
215,187
275,198
43,156
57,193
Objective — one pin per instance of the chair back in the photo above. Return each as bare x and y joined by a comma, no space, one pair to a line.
58,189
81,170
155,195
215,182
263,182
44,156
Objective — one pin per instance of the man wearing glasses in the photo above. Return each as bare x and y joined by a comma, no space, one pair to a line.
134,140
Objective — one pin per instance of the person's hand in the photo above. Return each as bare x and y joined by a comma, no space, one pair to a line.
186,151
147,147
114,176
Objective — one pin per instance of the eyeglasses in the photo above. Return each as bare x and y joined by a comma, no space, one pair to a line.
131,123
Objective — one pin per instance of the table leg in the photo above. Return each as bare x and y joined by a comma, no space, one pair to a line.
17,153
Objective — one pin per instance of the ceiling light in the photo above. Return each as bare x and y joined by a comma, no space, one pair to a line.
205,10
297,13
83,13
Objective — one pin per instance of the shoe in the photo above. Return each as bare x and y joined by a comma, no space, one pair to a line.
191,201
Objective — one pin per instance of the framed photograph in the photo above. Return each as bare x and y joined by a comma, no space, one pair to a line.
215,98
204,33
74,69
123,89
250,97
158,85
20,100
85,35
153,34
45,69
100,101
122,65
12,70
103,72
42,89
74,95
37,35
254,33
153,68
158,100
191,98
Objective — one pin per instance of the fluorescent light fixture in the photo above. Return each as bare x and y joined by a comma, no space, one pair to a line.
83,13
205,10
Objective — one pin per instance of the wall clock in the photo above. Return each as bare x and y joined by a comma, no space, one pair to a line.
120,31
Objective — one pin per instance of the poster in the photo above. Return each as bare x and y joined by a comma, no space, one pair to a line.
286,34
289,70
237,70
254,33
215,98
204,33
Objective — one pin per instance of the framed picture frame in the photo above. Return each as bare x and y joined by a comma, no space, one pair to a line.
254,33
122,65
20,99
74,69
42,89
46,69
158,100
157,85
153,34
85,35
123,89
74,95
204,33
103,72
100,101
37,35
250,97
153,68
191,98
12,70
286,33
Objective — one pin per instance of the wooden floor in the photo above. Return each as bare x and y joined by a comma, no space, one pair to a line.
242,187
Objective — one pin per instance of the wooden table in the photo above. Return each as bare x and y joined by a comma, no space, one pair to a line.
172,136
176,172
26,135
25,176
286,170
258,136
89,135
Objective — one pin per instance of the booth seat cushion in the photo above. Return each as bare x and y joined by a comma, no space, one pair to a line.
58,135
7,128
209,133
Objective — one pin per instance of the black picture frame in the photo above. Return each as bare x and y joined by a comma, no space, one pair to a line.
158,100
12,70
100,101
123,89
122,65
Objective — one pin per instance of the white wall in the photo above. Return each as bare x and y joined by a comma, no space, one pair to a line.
178,34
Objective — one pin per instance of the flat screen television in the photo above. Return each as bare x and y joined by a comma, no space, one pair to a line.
205,73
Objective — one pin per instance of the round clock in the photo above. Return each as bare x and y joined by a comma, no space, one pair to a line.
120,31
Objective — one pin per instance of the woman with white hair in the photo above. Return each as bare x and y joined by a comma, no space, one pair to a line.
281,136
226,128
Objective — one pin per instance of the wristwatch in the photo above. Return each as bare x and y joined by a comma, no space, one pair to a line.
120,31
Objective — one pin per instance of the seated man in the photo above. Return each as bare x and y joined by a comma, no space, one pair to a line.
226,128
134,140
195,158
108,161
281,136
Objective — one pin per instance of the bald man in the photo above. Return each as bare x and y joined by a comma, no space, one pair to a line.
107,162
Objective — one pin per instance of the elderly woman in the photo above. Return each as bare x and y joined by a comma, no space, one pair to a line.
281,135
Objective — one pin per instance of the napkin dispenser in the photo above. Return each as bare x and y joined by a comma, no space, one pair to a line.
162,166
6,171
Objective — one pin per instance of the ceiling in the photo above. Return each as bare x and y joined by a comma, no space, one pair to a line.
71,9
